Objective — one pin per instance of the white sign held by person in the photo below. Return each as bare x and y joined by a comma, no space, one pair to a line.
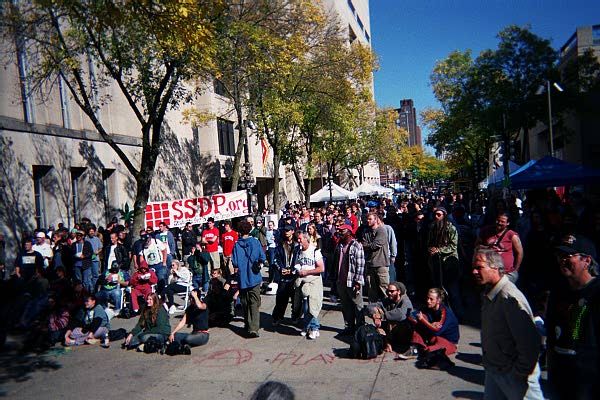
196,210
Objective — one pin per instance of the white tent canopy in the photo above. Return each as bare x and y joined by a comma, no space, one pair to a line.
367,189
337,193
497,175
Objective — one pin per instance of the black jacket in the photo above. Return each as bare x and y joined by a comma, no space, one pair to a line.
121,256
280,260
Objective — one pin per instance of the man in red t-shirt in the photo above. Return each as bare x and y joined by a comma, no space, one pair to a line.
228,239
505,242
210,236
351,220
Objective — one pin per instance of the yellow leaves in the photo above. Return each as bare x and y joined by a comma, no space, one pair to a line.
197,117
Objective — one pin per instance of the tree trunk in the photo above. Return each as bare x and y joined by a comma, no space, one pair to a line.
308,191
276,162
237,160
143,182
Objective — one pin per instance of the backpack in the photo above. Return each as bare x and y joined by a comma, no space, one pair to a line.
117,334
174,348
367,343
153,345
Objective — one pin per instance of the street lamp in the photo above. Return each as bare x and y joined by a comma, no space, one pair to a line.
548,92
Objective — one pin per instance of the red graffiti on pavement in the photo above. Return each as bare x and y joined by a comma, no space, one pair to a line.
225,358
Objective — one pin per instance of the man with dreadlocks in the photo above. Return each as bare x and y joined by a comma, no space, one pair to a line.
442,246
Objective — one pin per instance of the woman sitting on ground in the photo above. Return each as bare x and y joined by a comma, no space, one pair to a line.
437,326
92,324
153,322
197,315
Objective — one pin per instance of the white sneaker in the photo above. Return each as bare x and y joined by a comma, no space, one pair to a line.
303,333
172,309
313,334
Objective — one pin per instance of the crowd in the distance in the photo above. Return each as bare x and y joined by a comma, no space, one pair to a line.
411,257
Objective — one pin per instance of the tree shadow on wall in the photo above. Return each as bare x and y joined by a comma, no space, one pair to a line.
183,170
54,153
15,178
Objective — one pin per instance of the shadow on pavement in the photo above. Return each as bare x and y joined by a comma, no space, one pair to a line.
467,394
19,367
471,358
471,375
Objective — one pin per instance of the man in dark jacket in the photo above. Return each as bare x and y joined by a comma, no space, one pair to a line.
398,330
286,255
573,325
188,240
116,252
82,255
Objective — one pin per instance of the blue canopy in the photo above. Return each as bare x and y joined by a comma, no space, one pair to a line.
549,172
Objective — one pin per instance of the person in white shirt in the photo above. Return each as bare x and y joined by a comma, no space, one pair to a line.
181,279
43,247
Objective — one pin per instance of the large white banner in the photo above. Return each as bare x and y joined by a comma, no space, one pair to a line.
196,210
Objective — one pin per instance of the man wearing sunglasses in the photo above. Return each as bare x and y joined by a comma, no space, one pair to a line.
573,324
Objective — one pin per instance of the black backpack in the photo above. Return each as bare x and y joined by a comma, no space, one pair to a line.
153,345
367,343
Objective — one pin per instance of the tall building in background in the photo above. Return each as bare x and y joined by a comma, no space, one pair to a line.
576,138
407,119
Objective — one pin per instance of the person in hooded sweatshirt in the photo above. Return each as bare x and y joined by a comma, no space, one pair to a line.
247,257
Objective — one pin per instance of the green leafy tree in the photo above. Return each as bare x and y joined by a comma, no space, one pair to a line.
148,51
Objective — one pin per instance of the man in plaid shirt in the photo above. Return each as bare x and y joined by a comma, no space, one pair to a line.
349,262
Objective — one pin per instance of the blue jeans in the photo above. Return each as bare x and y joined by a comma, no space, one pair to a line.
85,276
311,323
510,386
169,261
192,339
392,273
95,271
161,275
197,282
113,295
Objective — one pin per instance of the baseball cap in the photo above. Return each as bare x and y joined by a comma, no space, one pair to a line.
40,235
345,226
571,244
288,228
442,209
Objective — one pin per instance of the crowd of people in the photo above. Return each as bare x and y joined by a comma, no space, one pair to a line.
418,261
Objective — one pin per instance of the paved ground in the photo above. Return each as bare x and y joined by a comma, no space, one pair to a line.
231,367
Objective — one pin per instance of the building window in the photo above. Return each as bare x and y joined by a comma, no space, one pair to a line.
362,27
24,78
351,34
64,102
39,172
368,37
108,187
351,6
219,88
226,137
596,35
75,177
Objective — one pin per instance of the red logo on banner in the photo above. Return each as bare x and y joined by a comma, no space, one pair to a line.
157,213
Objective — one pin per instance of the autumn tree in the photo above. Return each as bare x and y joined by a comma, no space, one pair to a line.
147,51
259,41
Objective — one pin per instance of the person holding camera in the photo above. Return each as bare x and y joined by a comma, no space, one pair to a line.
196,314
248,257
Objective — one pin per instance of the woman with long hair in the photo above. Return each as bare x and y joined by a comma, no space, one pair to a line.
153,322
314,237
196,314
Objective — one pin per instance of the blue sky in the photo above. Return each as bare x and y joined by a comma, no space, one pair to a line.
410,36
